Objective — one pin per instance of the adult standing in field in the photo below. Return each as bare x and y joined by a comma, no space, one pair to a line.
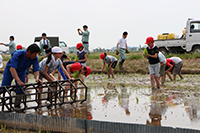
44,41
85,37
177,68
16,66
11,44
154,63
122,48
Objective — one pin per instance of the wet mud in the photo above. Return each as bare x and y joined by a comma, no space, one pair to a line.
129,98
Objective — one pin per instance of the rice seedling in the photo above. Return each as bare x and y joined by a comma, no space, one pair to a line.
3,127
137,100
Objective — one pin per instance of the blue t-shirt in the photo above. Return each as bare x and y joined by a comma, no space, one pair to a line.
20,63
81,55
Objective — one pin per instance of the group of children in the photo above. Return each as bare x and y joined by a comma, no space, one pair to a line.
158,64
21,60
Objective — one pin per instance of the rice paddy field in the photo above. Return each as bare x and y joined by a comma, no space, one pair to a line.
129,99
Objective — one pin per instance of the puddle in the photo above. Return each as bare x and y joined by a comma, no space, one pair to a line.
129,99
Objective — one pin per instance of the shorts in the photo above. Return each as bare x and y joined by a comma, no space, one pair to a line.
83,64
113,64
162,70
41,76
62,73
154,69
177,68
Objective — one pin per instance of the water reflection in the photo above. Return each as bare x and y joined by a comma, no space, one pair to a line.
158,108
124,99
76,110
110,92
193,108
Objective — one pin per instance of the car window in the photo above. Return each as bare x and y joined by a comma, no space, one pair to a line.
195,27
62,44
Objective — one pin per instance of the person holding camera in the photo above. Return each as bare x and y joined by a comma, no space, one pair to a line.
85,37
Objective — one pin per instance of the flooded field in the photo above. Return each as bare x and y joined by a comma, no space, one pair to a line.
129,99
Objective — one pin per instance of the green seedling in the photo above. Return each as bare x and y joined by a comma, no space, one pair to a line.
76,74
151,98
117,52
107,68
145,52
137,100
3,127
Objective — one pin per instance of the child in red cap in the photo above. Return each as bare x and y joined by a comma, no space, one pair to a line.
169,67
111,61
154,63
19,47
82,56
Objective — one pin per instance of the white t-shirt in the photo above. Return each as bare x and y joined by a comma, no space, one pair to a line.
52,65
176,59
122,43
1,61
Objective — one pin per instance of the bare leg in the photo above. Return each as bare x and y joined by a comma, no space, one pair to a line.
39,96
174,77
157,82
169,75
162,79
111,71
26,79
59,76
82,78
180,75
108,73
152,80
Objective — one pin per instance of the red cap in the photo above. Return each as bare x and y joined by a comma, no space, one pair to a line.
19,47
88,71
79,45
149,40
102,56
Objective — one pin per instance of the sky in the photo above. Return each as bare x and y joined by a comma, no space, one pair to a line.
106,20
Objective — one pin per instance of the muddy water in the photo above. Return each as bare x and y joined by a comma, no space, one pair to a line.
129,99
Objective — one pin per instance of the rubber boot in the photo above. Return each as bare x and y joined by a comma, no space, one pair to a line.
122,63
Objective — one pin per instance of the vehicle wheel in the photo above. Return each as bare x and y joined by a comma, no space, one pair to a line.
196,49
163,51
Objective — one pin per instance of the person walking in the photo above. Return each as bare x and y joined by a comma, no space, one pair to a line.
11,44
122,48
85,37
154,63
44,41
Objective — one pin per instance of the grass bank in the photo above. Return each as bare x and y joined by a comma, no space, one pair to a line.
135,62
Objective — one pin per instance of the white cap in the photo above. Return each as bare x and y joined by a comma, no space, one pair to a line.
56,49
1,61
